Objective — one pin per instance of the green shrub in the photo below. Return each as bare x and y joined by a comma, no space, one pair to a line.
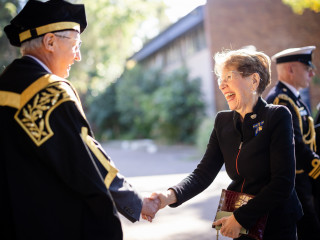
178,107
149,104
103,114
134,90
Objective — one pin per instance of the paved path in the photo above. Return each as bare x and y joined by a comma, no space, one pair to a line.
149,172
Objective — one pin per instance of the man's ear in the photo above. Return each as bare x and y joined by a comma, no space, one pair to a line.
290,68
49,39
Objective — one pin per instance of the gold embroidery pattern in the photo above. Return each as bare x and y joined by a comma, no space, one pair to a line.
33,117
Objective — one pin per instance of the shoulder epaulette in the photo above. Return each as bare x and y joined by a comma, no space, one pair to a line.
35,104
286,98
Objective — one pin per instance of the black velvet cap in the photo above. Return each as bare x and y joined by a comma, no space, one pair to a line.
38,18
302,54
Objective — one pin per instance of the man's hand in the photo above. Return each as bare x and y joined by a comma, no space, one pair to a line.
150,207
157,201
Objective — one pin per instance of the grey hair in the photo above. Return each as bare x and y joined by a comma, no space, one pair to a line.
31,45
36,43
246,62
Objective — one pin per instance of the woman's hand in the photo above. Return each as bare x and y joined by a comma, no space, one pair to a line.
161,199
166,198
230,227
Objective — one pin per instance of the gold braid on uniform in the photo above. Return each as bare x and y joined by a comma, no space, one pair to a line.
316,168
311,132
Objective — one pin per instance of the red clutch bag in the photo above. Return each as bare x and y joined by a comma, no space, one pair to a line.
229,202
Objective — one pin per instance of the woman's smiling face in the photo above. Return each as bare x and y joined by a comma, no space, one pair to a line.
243,76
237,90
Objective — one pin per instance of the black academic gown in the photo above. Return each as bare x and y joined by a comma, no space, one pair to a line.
56,180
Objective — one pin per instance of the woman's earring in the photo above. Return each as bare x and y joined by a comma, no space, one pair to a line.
254,92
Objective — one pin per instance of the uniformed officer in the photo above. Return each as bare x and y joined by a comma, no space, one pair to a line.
295,71
317,117
56,181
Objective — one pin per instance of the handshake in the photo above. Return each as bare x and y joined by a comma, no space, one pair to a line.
158,200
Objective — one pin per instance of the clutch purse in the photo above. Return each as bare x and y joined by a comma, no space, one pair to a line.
229,202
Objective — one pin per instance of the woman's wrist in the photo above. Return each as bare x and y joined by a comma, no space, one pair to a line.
171,197
166,198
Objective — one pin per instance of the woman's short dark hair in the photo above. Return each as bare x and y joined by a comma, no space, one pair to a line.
246,62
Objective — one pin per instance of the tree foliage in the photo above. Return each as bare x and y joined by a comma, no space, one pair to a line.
8,9
107,41
150,104
176,108
298,6
134,92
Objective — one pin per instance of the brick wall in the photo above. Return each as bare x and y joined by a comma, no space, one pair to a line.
269,25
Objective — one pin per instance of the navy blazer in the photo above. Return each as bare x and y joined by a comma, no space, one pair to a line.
259,158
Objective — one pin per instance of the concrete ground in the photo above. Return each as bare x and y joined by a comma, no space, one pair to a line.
155,168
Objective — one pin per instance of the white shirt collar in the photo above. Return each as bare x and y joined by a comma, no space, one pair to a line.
292,89
41,63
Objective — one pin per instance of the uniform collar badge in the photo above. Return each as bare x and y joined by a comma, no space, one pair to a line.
258,127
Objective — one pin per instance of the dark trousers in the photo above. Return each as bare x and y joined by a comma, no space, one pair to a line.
309,225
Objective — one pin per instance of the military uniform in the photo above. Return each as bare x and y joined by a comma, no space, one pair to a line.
307,161
295,69
316,185
56,180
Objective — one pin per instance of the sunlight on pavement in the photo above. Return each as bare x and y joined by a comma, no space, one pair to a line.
190,221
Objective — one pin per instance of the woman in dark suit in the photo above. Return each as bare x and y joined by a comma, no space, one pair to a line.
255,142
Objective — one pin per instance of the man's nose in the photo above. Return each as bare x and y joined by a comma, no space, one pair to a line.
78,56
312,73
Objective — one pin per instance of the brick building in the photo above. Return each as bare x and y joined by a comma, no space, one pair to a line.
269,25
183,44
